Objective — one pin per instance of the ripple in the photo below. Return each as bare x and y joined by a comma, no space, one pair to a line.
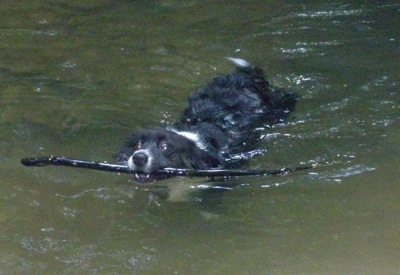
330,13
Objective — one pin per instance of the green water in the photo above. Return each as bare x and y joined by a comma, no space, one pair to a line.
77,77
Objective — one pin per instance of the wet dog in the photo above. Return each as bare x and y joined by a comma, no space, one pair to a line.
221,121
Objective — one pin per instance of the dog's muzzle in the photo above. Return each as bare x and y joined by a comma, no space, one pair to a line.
140,159
140,163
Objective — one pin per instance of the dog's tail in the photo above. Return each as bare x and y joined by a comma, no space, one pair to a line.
245,67
280,101
256,74
239,62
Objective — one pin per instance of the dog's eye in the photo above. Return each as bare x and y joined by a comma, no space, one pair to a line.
164,146
138,146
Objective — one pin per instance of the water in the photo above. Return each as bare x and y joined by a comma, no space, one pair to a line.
78,77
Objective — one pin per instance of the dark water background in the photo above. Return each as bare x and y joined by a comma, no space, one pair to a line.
76,77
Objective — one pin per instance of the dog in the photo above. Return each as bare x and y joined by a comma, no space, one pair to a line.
221,121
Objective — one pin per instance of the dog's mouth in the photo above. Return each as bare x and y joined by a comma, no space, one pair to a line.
143,178
147,178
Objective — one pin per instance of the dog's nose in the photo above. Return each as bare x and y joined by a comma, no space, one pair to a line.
140,159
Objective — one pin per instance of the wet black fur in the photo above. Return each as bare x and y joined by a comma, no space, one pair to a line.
224,114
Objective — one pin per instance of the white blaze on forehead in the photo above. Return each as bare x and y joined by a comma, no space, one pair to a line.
192,136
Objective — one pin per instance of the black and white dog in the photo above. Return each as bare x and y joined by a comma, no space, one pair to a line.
221,121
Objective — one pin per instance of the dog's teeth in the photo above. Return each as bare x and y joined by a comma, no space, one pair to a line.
143,177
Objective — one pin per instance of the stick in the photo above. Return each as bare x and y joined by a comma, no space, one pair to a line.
62,161
95,165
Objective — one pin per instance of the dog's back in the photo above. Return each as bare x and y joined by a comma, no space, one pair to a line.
231,107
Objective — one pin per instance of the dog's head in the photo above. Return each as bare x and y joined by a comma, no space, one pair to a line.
153,150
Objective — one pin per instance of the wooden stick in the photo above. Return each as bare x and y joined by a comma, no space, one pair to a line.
95,165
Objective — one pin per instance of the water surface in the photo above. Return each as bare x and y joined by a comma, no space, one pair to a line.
78,77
